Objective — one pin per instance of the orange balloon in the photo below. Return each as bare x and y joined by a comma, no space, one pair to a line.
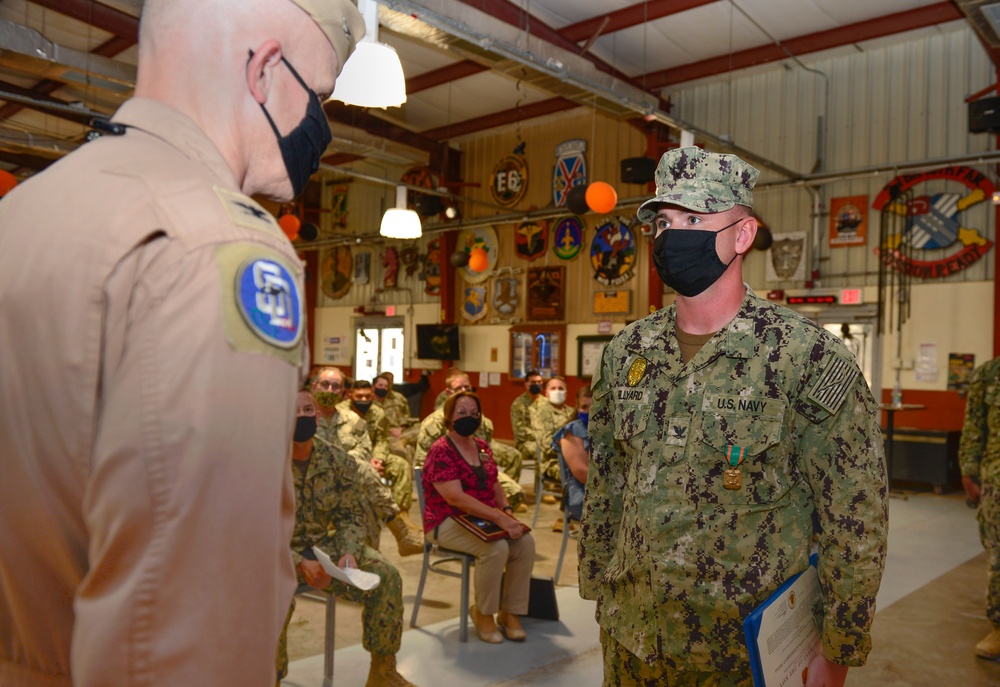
290,224
7,182
601,197
478,260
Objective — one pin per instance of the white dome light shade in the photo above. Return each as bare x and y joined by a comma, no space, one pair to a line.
399,223
372,77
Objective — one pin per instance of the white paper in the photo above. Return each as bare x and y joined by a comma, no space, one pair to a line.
494,379
788,640
484,379
355,577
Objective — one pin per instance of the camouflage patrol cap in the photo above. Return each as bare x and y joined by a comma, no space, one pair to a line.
700,181
341,21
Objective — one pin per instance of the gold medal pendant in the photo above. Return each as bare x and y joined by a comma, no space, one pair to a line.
732,479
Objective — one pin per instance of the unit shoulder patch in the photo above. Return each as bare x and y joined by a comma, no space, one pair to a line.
834,382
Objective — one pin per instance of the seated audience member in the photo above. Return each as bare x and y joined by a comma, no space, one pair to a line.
551,413
402,428
572,443
329,514
520,416
393,469
346,430
461,477
506,457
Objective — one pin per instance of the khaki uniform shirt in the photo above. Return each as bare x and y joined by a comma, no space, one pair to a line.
151,347
676,560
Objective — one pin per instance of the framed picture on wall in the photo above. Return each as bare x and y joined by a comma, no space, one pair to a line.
588,354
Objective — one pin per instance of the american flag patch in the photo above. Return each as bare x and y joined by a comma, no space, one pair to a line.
833,384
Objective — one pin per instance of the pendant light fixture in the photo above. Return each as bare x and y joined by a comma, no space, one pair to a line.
373,74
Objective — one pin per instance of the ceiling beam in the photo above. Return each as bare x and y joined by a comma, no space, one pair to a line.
822,40
97,15
362,119
628,17
497,119
444,75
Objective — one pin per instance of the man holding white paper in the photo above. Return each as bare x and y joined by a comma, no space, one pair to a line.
330,515
720,425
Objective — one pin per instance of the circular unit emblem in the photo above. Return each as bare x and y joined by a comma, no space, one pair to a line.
269,301
509,180
567,239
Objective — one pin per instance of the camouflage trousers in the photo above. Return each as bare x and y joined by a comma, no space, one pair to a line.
550,468
381,504
989,533
511,489
381,619
507,459
622,667
399,474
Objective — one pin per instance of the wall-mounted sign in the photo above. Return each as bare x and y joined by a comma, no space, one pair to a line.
531,238
934,221
509,180
849,221
570,169
612,254
567,239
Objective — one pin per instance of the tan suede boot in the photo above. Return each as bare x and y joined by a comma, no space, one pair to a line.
383,673
989,646
409,539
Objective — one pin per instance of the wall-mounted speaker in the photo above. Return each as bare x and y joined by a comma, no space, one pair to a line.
984,116
638,170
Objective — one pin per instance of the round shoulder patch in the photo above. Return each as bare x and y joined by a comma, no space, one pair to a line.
269,300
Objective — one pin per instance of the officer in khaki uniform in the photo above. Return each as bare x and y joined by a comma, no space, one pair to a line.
347,430
330,514
151,346
979,458
719,426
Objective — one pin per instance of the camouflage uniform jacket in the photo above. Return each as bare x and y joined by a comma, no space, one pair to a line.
520,419
397,409
376,425
348,431
432,428
329,511
440,399
979,450
675,560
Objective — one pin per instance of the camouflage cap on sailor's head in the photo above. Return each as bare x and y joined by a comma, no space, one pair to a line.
700,181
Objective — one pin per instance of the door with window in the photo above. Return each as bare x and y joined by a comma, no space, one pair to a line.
378,347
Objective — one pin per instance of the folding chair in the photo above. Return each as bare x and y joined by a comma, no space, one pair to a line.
567,516
540,487
304,590
443,556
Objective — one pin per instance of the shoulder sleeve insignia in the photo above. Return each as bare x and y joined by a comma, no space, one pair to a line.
268,298
835,380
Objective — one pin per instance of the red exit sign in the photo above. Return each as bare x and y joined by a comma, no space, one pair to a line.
850,296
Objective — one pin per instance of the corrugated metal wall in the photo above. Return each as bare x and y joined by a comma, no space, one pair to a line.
886,106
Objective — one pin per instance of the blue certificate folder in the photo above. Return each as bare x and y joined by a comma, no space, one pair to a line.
751,626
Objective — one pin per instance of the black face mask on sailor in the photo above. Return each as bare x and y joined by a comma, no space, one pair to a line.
686,259
303,146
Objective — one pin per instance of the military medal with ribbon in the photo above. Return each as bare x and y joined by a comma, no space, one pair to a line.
732,479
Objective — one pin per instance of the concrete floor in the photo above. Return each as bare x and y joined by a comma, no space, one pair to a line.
930,613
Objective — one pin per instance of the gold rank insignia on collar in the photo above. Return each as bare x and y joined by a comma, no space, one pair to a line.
636,371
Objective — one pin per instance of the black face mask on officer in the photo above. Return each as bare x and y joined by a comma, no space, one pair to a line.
361,406
686,259
305,428
302,147
466,426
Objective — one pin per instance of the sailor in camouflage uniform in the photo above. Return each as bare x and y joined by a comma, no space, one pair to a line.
520,416
720,425
393,469
506,457
330,514
402,428
347,431
549,415
979,457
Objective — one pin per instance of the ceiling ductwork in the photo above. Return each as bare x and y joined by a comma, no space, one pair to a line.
984,15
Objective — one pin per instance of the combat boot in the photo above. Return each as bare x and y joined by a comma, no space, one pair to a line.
989,646
409,539
383,673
